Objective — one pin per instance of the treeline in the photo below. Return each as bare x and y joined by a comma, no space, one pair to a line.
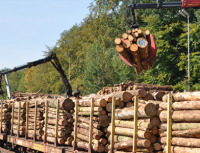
95,62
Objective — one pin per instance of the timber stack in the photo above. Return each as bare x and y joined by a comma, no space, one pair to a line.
18,121
101,121
58,112
148,122
35,118
185,122
6,115
128,86
135,47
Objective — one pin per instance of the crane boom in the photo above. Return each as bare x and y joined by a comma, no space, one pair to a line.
55,62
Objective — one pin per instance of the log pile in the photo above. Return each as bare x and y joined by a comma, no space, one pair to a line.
101,121
128,86
35,106
148,123
135,47
19,118
6,115
185,122
65,121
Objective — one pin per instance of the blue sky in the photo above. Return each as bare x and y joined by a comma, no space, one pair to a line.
26,26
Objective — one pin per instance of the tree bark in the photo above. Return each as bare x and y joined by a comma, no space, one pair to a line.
182,116
184,96
146,110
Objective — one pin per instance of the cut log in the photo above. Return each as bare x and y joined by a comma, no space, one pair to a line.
129,132
85,145
186,105
182,116
178,149
139,92
66,104
123,95
143,48
118,41
129,143
136,57
184,142
121,50
126,43
184,96
147,110
129,124
181,126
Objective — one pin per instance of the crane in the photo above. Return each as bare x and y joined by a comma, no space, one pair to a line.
51,58
159,4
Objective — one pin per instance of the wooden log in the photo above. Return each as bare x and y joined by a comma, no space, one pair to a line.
190,133
180,126
139,92
143,48
121,50
184,96
147,34
88,113
126,43
60,122
147,110
129,124
148,97
129,143
60,141
87,109
178,149
184,142
66,103
98,103
86,120
129,132
104,120
86,138
136,57
123,95
131,38
86,126
84,145
86,133
125,36
118,41
157,146
158,95
186,105
182,116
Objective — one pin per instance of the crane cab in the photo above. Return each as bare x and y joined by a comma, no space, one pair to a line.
190,3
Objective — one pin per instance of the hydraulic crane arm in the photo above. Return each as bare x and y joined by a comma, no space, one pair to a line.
161,4
55,62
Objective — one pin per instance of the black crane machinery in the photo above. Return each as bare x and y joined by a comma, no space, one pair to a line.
159,5
51,58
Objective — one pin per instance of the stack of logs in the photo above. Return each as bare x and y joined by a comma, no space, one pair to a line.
148,123
100,123
6,115
185,122
19,118
65,121
150,88
39,111
135,47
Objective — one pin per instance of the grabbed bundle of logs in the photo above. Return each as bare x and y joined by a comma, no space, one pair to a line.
185,122
135,48
58,121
